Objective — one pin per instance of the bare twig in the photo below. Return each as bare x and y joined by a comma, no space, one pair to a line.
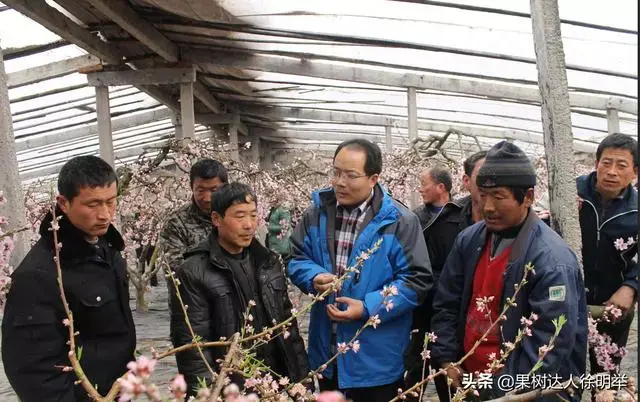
13,232
225,367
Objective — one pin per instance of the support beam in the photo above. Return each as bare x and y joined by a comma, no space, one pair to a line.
233,140
256,149
186,110
58,23
556,121
176,120
613,121
121,12
266,154
381,120
412,113
117,124
388,139
51,70
10,185
119,154
150,76
202,93
493,90
105,136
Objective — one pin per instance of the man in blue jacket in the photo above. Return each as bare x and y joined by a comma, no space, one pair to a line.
487,260
341,223
609,218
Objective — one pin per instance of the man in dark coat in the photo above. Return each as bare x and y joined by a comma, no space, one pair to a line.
487,260
34,338
227,272
441,219
609,224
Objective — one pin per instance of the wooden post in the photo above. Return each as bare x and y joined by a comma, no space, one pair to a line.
256,149
176,120
266,153
387,134
105,137
412,103
613,121
10,184
233,139
556,121
186,110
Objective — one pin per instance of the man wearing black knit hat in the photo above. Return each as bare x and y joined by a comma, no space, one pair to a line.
487,261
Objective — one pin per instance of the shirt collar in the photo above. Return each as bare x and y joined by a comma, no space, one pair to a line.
364,204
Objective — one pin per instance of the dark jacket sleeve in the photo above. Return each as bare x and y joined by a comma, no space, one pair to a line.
297,344
190,362
554,291
631,272
446,306
34,340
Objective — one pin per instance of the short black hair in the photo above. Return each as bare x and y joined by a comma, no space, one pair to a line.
441,175
470,163
620,141
373,164
208,169
84,171
519,193
229,194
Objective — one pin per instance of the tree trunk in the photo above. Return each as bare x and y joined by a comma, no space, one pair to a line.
556,121
141,285
141,299
10,184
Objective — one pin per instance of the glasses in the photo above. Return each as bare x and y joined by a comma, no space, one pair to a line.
336,173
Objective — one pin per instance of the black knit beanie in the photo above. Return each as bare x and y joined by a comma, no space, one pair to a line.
506,166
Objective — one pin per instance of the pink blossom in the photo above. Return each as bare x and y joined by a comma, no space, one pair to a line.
330,396
66,322
374,321
389,291
142,367
298,390
342,347
178,387
425,354
131,387
388,305
356,346
620,244
432,337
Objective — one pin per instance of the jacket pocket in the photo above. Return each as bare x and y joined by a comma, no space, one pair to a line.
98,311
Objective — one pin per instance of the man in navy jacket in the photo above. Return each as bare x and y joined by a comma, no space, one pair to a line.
609,218
488,259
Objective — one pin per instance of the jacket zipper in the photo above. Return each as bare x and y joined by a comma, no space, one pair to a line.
430,223
598,225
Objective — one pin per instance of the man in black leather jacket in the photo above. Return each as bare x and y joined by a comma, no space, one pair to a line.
220,278
34,338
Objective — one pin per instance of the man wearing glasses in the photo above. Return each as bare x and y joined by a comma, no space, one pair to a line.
343,222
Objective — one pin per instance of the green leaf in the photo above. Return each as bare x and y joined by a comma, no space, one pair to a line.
559,322
79,352
536,367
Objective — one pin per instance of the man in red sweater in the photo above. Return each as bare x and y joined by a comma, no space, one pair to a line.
487,260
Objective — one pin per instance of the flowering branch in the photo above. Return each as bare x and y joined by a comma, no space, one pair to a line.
68,322
509,302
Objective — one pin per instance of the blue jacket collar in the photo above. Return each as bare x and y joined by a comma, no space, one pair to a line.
382,202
